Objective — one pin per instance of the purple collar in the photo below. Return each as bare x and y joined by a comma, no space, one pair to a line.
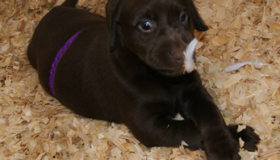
57,58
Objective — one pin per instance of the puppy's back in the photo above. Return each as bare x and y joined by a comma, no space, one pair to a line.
55,28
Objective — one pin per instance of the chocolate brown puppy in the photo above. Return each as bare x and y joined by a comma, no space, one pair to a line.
129,68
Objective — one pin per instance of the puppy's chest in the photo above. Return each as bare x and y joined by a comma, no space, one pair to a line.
165,92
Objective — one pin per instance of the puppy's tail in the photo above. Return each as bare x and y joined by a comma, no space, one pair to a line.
70,3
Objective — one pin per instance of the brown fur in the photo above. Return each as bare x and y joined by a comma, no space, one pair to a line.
115,71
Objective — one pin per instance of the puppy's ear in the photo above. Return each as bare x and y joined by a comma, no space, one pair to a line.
197,20
112,15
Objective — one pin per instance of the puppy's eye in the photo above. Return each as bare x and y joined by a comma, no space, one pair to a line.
146,26
183,16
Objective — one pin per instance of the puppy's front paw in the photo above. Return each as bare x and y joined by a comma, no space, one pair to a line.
247,135
219,144
250,138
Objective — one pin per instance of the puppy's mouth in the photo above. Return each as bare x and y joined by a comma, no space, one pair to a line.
172,72
181,61
171,67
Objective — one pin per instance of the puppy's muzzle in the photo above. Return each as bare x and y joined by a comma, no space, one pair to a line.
178,55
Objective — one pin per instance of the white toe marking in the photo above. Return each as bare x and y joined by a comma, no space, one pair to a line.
185,144
241,127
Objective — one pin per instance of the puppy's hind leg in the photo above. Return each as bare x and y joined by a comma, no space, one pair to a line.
32,52
154,128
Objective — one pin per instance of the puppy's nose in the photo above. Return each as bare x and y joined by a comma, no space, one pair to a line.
178,55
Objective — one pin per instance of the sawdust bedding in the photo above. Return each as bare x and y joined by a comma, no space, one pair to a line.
35,126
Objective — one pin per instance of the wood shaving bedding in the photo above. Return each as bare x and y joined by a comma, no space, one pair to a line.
189,63
34,125
236,66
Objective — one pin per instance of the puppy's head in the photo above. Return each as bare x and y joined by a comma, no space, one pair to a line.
157,31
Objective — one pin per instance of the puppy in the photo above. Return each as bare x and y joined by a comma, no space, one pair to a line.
129,68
